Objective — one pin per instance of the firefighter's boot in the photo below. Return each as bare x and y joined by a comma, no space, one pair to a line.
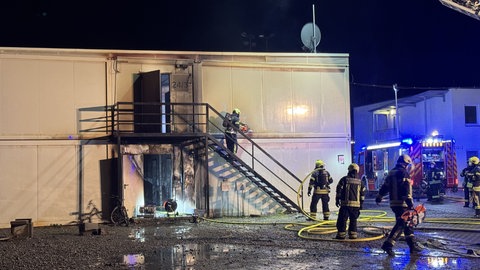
387,247
341,235
413,246
312,217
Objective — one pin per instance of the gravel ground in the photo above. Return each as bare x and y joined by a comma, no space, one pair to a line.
227,243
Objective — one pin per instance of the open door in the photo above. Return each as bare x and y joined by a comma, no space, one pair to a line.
146,89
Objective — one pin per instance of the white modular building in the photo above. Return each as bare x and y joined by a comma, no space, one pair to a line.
79,127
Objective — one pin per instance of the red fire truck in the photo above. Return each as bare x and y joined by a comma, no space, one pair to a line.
376,160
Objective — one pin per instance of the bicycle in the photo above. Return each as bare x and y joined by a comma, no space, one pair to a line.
119,215
87,217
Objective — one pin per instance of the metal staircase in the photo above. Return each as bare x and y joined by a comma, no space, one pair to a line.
199,125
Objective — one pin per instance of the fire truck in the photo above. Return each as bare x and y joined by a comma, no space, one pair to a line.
376,160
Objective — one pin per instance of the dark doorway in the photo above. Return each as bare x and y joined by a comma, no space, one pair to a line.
158,174
151,87
110,186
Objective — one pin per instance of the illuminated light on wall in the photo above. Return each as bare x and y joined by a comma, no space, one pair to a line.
435,133
298,110
384,145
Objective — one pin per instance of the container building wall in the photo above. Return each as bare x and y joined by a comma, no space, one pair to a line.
45,176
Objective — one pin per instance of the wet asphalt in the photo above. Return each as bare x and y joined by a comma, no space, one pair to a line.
449,234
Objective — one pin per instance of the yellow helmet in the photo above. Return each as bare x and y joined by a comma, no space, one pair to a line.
236,110
353,167
473,161
319,163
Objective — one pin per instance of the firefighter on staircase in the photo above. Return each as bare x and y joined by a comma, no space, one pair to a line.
320,181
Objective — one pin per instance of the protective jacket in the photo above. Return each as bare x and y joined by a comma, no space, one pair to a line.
398,185
467,177
235,120
350,192
320,182
474,176
434,176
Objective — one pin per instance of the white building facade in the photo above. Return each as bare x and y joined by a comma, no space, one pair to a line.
49,170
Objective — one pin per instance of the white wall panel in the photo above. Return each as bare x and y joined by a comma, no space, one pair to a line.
18,183
89,83
267,97
55,86
20,106
57,184
277,97
217,88
247,91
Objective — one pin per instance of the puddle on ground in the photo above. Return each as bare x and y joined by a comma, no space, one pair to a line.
199,256
190,256
137,234
428,259
134,260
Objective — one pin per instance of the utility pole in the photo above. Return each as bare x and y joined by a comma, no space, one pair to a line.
395,89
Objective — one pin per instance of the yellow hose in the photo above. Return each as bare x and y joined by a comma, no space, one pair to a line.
309,231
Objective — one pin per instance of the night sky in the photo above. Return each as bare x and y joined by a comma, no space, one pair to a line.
417,44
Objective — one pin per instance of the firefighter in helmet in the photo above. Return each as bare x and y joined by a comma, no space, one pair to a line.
434,177
320,181
399,186
231,131
474,177
350,194
467,183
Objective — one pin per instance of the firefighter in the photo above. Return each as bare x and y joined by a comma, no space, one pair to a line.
467,184
231,132
434,178
350,194
320,181
474,177
399,186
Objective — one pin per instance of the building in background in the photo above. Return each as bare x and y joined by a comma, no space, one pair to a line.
449,117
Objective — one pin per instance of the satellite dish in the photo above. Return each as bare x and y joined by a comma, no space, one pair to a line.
310,36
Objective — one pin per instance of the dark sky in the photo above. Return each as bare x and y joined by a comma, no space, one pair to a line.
417,44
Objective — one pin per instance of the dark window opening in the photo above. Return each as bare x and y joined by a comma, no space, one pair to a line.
471,115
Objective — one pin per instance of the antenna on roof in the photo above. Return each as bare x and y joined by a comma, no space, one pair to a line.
310,34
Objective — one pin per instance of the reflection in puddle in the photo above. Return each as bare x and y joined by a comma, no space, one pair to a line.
189,256
134,260
192,256
137,234
181,231
429,259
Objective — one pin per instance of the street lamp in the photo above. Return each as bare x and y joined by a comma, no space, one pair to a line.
395,89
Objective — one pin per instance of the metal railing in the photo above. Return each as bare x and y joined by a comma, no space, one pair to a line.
185,119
